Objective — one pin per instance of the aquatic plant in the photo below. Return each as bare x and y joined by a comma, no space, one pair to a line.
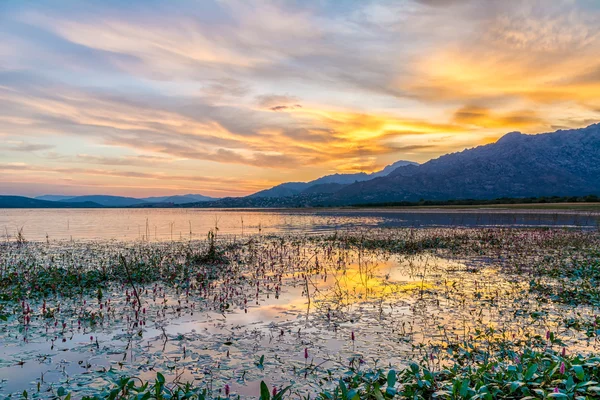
533,375
456,305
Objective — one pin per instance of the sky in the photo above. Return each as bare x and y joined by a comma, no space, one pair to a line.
228,97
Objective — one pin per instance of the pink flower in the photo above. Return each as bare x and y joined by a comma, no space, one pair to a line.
562,368
227,390
306,353
556,390
353,336
274,391
564,351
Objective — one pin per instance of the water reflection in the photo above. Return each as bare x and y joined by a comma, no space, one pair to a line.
342,306
185,224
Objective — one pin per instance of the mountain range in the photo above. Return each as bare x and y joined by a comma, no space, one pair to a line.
565,162
561,163
327,183
120,201
26,202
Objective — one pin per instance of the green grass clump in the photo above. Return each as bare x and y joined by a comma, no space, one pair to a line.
532,374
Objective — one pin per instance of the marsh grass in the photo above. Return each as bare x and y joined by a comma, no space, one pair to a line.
476,313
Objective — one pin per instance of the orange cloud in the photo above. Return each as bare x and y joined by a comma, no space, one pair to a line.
283,90
485,118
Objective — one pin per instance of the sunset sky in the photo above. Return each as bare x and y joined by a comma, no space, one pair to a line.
141,98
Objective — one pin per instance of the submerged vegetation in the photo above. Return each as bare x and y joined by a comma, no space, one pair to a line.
453,313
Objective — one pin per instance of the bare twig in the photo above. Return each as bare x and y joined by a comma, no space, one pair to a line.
135,292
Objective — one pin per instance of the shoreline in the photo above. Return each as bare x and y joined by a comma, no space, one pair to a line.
497,208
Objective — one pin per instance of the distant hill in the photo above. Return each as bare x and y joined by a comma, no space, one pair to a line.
26,202
283,190
323,188
53,197
179,199
118,201
294,188
107,201
392,168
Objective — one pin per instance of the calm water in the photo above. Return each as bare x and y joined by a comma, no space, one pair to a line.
278,299
174,224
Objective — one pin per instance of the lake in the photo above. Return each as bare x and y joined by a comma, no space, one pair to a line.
292,309
174,224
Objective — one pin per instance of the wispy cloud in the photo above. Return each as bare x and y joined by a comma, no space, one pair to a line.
141,180
27,147
267,91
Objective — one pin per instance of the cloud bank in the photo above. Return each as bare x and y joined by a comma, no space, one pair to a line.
228,97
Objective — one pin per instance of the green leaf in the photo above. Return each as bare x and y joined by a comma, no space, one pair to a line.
579,372
515,385
557,396
391,378
160,378
377,393
344,389
264,391
414,368
114,393
280,394
61,391
531,371
352,394
261,362
464,388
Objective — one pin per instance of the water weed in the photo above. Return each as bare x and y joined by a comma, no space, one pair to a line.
375,313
